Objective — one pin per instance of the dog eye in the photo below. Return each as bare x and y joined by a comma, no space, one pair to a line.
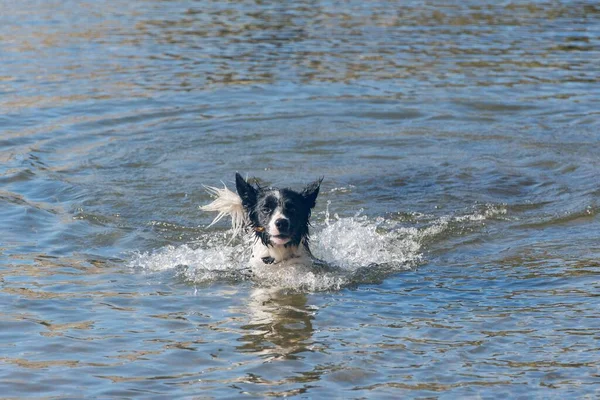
266,209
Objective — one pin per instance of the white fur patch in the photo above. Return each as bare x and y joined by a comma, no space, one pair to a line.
274,231
277,214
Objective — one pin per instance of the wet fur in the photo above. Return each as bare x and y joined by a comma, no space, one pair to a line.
277,219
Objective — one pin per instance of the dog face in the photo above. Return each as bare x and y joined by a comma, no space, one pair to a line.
280,217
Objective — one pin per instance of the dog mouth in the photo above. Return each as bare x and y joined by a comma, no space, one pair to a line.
280,239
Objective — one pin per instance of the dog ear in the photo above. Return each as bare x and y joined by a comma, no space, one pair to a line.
311,192
246,191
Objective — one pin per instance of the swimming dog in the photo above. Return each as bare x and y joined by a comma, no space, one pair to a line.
277,220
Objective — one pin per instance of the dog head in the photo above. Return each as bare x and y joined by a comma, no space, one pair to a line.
280,217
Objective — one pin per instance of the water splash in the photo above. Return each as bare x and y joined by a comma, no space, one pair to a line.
212,257
351,250
355,242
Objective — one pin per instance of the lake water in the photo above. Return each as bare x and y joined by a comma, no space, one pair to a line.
459,213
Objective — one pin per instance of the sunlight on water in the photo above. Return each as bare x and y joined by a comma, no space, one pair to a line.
350,250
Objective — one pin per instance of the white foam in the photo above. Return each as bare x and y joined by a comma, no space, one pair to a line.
354,250
212,258
355,242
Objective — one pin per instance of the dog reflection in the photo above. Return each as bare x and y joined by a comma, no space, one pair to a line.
280,324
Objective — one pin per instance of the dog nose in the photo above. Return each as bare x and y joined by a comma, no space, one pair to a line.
282,224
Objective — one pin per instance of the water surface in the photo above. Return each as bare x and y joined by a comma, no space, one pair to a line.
459,211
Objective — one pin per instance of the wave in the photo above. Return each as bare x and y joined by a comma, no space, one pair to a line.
350,250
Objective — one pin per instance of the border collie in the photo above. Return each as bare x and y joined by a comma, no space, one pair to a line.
276,219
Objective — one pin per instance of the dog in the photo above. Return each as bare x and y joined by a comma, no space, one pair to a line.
277,220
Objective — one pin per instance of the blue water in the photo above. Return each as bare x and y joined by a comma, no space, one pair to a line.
459,211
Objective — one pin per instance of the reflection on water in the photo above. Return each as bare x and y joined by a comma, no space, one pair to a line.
459,144
279,325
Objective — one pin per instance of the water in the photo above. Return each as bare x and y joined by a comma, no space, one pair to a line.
459,213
